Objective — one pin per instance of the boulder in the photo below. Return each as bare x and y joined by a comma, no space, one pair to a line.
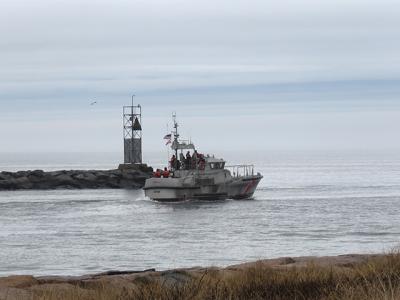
100,175
20,174
66,181
22,182
7,185
4,176
86,176
130,174
116,173
37,173
7,174
57,173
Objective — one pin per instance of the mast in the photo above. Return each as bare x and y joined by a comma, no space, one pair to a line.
176,136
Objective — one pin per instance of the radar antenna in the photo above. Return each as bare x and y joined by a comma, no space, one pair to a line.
176,136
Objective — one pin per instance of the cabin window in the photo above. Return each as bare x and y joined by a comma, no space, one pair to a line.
216,166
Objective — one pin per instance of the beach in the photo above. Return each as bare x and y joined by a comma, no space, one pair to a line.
335,277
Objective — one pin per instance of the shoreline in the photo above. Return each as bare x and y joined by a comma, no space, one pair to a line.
26,286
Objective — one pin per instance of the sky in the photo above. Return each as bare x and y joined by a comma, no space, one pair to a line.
264,75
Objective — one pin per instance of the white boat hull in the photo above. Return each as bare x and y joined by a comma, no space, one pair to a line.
168,189
172,189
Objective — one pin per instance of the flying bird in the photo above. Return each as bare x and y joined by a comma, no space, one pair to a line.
93,103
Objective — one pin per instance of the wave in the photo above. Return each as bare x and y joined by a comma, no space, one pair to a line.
321,187
330,197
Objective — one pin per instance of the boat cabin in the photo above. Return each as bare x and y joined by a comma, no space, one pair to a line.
214,164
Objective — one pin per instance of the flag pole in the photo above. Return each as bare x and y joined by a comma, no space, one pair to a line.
167,150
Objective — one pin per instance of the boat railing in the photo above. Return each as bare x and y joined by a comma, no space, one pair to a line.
241,170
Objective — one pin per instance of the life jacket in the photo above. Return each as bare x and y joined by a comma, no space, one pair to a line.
165,174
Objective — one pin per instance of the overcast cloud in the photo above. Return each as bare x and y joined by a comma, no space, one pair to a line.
301,74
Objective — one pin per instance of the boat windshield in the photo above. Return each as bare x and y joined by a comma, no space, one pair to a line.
217,165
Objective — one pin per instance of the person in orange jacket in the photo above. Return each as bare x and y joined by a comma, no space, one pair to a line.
157,173
165,173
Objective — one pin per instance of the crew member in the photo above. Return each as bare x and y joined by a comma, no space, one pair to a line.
195,159
157,173
202,162
182,160
173,162
165,173
188,161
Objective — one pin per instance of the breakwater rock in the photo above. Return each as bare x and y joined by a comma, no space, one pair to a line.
123,177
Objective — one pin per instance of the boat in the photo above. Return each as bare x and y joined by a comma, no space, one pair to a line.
196,176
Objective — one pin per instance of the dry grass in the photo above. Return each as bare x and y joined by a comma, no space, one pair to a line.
378,278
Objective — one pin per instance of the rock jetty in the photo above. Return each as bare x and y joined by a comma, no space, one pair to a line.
123,177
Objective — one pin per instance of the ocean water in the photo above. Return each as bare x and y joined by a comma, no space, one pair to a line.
308,203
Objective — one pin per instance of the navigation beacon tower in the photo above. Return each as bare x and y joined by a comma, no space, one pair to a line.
132,120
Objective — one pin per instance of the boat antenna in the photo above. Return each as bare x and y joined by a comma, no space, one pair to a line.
168,147
176,136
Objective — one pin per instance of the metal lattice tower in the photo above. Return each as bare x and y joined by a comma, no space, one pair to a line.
132,120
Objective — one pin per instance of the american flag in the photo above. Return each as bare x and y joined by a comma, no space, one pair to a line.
168,138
